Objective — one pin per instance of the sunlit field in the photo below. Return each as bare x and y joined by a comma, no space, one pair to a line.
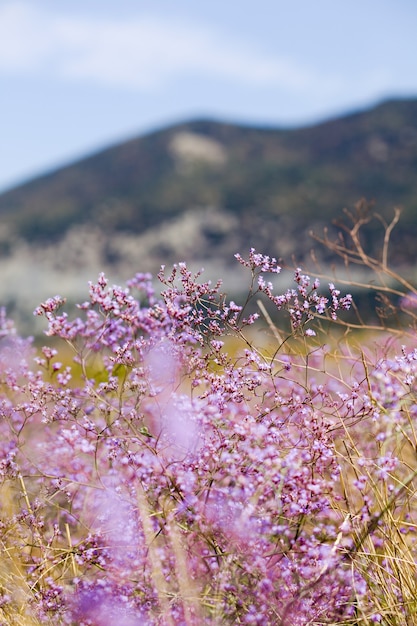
184,460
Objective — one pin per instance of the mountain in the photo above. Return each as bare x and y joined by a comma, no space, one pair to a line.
201,191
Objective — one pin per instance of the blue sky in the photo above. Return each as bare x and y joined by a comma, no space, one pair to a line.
76,76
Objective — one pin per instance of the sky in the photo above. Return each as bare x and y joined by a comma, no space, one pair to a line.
77,76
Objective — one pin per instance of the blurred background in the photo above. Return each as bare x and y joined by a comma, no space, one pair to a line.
137,133
78,75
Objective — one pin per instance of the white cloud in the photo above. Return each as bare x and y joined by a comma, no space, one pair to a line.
143,53
23,44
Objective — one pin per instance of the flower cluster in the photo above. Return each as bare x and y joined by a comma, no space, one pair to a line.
305,302
170,471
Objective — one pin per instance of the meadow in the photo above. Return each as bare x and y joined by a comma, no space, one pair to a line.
200,461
